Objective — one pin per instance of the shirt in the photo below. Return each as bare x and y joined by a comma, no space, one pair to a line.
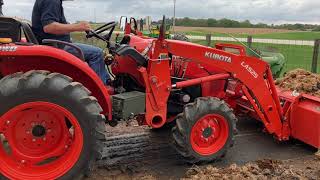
44,13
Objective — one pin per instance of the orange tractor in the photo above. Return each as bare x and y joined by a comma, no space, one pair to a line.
54,108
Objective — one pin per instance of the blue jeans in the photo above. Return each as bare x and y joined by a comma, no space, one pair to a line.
94,56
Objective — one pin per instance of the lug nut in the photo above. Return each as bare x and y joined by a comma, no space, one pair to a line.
23,161
33,140
8,122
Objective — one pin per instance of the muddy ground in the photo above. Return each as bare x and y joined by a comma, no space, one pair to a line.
301,81
138,153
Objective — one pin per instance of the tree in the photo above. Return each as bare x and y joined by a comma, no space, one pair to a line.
212,22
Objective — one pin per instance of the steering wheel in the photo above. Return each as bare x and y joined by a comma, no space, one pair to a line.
98,32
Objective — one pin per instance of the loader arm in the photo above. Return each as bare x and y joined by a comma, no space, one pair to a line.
254,74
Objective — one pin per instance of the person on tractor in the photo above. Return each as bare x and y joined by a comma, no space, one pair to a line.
141,24
49,22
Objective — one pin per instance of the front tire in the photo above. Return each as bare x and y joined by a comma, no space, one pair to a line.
51,127
204,131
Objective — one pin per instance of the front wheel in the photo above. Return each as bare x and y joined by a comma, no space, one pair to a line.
50,127
205,130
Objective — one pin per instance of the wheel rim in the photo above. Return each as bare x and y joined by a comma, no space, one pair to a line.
209,134
40,140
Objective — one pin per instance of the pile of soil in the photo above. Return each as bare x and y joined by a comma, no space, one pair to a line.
301,81
262,169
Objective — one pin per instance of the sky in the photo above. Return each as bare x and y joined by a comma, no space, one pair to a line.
265,11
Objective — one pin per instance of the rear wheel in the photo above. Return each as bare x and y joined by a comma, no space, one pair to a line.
50,127
205,130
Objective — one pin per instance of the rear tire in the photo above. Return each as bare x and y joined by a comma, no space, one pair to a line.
42,97
205,130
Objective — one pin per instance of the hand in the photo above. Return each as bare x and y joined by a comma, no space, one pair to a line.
83,26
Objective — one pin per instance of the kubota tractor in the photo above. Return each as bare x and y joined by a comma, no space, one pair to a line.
54,108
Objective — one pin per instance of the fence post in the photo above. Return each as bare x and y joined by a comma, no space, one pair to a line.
315,56
249,41
208,39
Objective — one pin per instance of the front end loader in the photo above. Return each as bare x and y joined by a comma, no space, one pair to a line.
54,108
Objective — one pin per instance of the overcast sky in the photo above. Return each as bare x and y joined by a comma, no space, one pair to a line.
266,11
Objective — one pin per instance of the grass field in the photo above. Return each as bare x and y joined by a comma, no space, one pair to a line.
254,32
307,36
296,56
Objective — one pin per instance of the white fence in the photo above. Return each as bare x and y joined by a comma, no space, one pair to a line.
256,40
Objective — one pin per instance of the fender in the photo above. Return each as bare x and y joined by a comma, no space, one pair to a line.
37,57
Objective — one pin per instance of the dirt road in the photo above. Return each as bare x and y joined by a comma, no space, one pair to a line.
138,153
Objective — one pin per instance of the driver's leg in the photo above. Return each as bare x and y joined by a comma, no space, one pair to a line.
95,58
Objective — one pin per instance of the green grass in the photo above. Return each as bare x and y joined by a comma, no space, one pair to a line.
296,56
216,34
291,36
308,36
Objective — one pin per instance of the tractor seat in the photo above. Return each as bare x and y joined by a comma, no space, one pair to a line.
126,50
26,27
12,28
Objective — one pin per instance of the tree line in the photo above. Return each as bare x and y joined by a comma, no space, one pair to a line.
229,23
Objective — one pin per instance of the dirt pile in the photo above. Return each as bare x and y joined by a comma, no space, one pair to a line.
263,169
301,81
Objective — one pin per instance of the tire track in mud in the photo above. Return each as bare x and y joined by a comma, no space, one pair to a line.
132,151
138,147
